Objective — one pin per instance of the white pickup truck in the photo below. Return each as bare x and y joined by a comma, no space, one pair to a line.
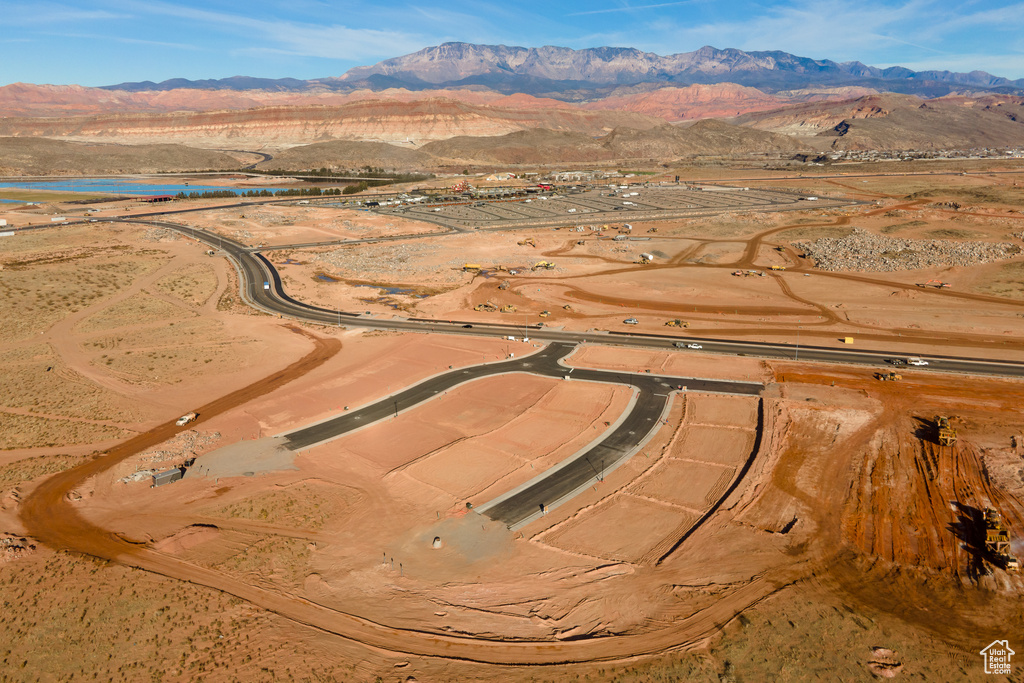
185,419
916,361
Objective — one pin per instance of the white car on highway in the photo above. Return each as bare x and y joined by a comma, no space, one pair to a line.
631,321
694,346
916,361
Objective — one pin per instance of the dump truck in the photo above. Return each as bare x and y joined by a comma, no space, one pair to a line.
944,433
472,268
677,323
547,265
888,376
186,418
503,286
486,307
778,267
508,308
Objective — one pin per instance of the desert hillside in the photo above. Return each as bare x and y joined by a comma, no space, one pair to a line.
890,121
373,120
40,156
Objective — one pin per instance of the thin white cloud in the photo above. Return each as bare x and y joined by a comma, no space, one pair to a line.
48,13
129,41
308,40
631,8
804,28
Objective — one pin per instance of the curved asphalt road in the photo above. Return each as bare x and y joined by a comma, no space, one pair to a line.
566,479
255,270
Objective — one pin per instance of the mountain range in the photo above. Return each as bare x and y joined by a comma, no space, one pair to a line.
474,105
576,75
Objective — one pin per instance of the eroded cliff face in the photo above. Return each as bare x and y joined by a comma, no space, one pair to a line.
694,102
29,100
414,122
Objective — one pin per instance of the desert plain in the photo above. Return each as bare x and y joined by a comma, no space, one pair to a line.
813,530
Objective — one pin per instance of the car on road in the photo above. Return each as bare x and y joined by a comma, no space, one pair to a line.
467,326
631,321
896,361
694,346
916,361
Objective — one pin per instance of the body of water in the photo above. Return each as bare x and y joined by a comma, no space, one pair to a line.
121,187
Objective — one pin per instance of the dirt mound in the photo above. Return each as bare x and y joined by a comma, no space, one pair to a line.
189,537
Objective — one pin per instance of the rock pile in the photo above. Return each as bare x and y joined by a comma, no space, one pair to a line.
14,547
862,250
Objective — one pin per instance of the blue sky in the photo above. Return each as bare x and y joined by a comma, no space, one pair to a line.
103,42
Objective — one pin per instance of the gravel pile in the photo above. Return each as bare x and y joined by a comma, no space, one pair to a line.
391,262
187,444
862,250
159,235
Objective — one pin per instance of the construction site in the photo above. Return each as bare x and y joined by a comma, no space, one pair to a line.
786,467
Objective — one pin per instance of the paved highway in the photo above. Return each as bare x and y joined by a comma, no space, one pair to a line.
255,270
568,478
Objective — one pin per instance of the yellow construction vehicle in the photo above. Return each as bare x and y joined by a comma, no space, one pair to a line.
547,265
529,241
486,307
503,286
567,307
544,314
508,308
945,434
677,323
472,268
997,542
778,267
888,376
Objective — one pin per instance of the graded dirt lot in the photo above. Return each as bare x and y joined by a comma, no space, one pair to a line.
816,531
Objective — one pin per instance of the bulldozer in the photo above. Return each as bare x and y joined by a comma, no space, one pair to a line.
508,308
486,307
888,376
677,323
945,434
997,542
567,307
